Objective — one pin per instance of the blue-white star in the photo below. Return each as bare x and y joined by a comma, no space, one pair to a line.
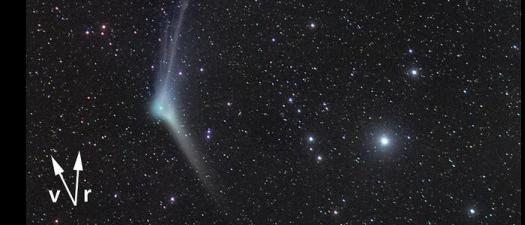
472,212
384,141
413,72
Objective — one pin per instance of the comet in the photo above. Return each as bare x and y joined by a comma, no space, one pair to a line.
164,108
164,104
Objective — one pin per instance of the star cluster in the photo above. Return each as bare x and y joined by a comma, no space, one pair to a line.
334,112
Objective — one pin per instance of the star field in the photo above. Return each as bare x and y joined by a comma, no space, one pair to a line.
336,112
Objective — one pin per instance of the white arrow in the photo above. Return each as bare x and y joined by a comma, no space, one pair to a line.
58,171
78,168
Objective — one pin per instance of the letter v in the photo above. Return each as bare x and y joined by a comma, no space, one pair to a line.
54,198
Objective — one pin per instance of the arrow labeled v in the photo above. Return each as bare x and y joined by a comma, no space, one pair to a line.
58,171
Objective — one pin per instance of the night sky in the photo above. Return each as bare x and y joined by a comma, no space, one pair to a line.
284,112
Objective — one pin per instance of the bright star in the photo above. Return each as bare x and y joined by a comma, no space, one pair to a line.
311,139
384,141
413,72
208,133
472,212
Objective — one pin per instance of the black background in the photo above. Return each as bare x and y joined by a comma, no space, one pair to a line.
454,128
